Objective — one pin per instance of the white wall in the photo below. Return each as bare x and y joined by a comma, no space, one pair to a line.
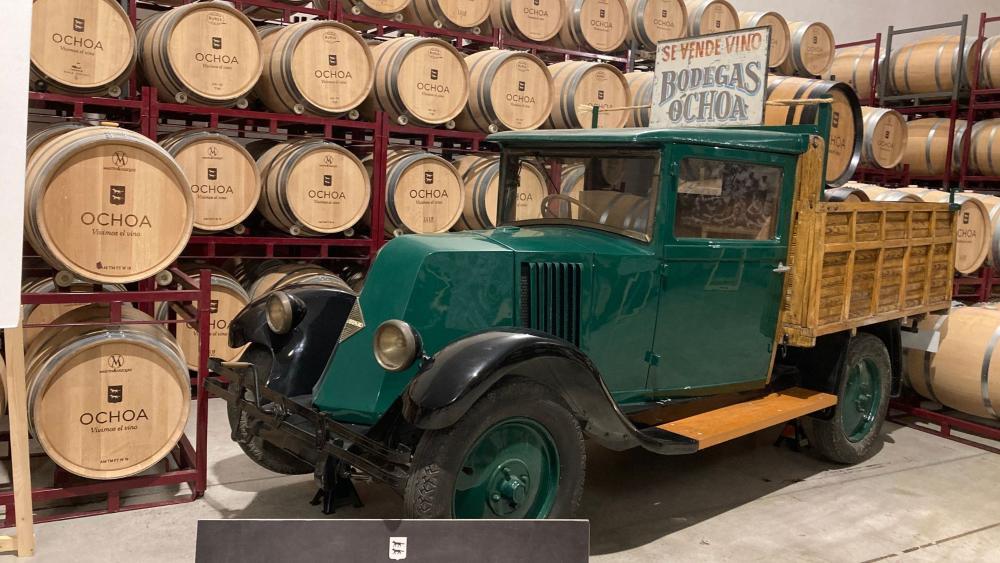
853,20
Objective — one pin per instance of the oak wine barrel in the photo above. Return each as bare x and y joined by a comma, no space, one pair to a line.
107,204
652,21
984,148
845,193
844,150
318,67
312,187
975,229
48,312
884,137
927,145
481,177
878,193
106,401
510,90
282,274
930,66
224,180
989,66
854,65
450,14
963,373
711,16
423,192
812,50
206,53
580,85
992,204
530,20
640,87
781,36
41,136
228,298
595,25
81,47
420,79
380,8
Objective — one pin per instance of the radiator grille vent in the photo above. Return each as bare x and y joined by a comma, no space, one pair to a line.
550,298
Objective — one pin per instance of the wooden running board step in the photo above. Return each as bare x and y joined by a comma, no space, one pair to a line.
720,425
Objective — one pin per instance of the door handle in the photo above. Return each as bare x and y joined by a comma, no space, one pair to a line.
781,269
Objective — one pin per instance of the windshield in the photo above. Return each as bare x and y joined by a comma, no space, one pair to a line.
615,191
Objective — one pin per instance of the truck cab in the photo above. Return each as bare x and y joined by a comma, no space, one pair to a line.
672,290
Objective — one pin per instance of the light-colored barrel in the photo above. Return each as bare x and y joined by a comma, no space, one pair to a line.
992,204
963,373
812,50
106,401
107,204
580,85
318,67
884,137
595,25
984,148
423,80
450,14
640,87
989,67
844,150
510,90
281,274
854,66
930,65
82,47
312,187
975,230
42,136
652,21
379,8
711,16
530,20
208,53
781,36
878,193
845,193
224,180
927,145
481,176
227,300
48,312
423,193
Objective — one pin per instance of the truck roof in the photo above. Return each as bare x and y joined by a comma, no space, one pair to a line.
789,140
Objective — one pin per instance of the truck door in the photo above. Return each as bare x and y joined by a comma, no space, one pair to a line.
725,236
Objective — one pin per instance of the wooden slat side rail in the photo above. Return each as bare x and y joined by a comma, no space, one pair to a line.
867,262
721,425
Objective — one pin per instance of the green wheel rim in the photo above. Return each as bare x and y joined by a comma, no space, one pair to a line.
512,471
862,397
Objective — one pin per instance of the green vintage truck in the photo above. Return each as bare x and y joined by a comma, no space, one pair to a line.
691,287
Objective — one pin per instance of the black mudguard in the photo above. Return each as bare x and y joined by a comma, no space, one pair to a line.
300,356
448,384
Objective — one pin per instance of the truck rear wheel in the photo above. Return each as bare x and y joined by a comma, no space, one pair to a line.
853,433
517,453
262,453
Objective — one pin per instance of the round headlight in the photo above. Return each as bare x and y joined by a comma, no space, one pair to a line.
279,312
397,345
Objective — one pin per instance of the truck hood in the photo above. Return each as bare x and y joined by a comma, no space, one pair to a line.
573,240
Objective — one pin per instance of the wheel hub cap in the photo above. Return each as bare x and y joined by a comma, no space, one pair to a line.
862,397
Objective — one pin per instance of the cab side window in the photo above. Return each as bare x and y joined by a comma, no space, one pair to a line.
718,199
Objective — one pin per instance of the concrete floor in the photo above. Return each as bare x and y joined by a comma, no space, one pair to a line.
921,498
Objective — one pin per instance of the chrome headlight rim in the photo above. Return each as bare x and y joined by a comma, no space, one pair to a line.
279,312
411,345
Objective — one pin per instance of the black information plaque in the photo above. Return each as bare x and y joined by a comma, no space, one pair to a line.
413,541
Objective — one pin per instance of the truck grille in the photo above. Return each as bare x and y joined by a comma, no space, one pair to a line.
550,298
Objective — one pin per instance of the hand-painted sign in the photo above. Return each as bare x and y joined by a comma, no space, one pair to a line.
712,80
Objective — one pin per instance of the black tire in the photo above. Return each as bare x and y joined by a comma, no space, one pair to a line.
262,453
440,454
829,437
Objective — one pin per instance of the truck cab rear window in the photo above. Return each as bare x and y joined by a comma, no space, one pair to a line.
718,199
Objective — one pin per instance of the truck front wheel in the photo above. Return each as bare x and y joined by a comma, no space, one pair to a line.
517,453
852,434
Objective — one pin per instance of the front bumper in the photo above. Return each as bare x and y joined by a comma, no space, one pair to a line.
302,430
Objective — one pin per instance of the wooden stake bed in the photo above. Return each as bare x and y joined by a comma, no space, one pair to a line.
721,425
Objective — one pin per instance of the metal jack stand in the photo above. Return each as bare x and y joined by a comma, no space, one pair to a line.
336,488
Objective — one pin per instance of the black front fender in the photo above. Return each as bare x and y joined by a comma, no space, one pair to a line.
450,383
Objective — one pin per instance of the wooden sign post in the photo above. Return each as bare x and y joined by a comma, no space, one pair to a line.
15,52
